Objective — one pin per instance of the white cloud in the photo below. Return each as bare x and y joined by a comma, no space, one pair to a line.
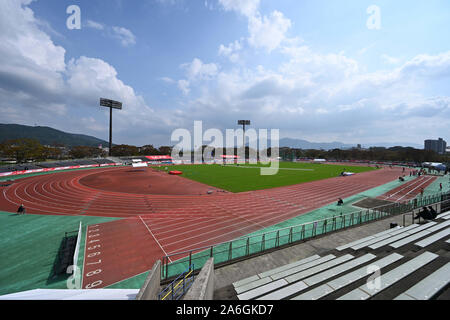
231,51
37,86
125,36
389,60
183,85
167,80
197,70
247,8
268,32
94,25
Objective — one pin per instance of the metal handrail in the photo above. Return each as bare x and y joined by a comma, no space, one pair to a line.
172,288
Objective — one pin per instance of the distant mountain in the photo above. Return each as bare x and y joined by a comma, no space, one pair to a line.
48,136
303,144
394,144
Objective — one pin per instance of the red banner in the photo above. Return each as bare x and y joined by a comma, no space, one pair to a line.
16,173
230,157
159,157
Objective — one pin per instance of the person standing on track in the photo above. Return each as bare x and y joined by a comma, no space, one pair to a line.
21,209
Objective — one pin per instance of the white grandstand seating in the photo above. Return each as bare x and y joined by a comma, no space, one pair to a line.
432,239
253,282
314,263
251,287
443,215
428,287
317,277
422,234
388,279
386,236
306,273
354,243
346,279
401,236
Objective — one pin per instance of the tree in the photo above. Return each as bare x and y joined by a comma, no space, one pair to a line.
124,150
165,150
80,152
149,150
23,149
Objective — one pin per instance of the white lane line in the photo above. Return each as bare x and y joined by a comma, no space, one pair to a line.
417,180
154,237
415,188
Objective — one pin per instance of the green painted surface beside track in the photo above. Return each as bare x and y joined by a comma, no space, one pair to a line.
29,245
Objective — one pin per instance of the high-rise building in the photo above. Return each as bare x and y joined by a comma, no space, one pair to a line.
438,146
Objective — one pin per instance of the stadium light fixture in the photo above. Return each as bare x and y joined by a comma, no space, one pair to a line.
111,104
244,123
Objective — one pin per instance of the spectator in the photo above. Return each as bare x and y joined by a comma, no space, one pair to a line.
340,202
433,212
424,214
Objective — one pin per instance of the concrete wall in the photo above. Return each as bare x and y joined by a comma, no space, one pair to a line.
151,287
203,286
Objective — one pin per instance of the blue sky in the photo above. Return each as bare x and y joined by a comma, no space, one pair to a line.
313,69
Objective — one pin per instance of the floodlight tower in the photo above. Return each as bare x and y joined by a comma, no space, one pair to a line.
244,123
111,104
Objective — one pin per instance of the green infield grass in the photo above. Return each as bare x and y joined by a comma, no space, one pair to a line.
247,177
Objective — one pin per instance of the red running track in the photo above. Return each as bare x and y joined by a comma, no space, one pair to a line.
156,225
409,190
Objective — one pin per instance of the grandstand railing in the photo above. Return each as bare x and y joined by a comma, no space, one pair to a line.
178,287
77,249
226,252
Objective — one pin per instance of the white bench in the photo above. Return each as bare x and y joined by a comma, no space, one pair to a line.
321,267
432,239
386,236
401,236
428,287
346,279
252,282
351,244
386,280
443,215
288,266
305,266
262,290
295,287
421,234
250,290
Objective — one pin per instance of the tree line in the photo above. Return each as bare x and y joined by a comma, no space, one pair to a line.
23,150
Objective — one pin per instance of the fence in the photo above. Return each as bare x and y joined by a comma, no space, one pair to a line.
244,247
